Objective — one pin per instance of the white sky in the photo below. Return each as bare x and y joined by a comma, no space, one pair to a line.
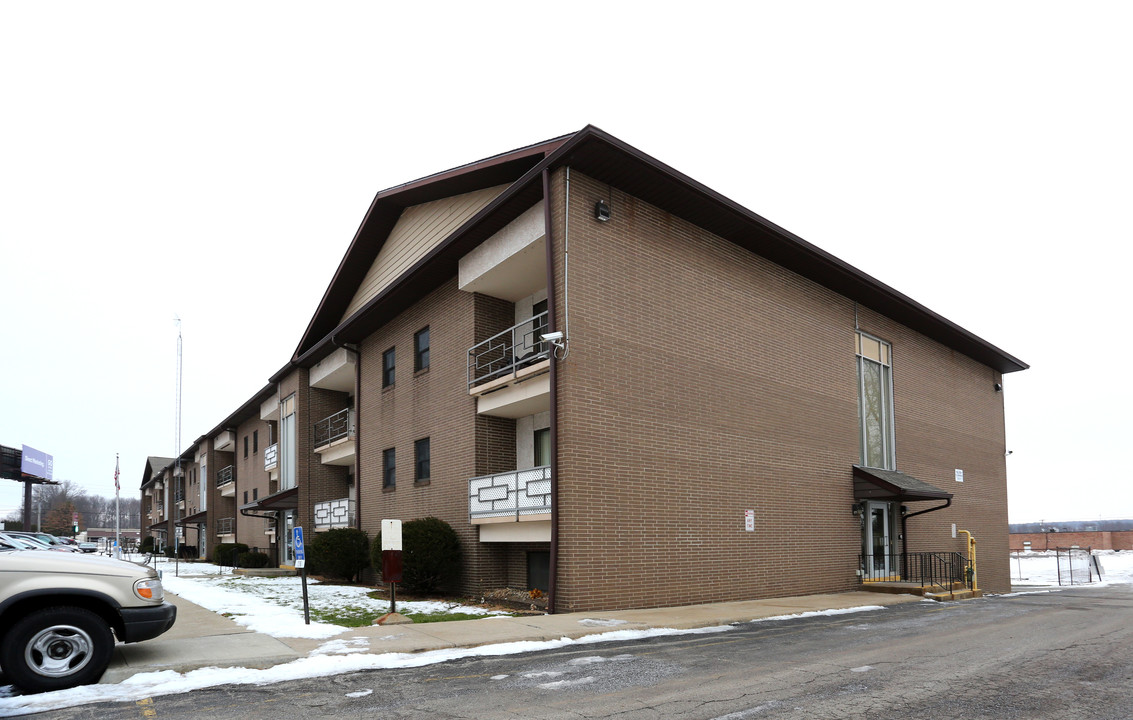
213,161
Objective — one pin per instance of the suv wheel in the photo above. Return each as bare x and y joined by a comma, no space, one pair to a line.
56,648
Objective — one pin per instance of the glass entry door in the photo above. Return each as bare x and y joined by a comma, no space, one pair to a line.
877,541
288,538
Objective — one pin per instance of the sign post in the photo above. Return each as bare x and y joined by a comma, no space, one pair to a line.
391,558
301,563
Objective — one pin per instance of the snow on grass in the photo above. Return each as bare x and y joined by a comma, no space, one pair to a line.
1040,569
274,605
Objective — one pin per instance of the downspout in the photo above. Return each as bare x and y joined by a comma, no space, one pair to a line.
357,424
554,413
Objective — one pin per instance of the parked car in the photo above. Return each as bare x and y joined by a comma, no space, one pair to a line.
41,539
60,614
88,546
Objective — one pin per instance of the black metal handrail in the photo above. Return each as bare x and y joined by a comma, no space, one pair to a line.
507,352
224,476
334,427
929,569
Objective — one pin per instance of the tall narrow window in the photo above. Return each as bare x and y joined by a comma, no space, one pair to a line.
421,460
245,446
875,402
389,468
255,441
288,451
542,447
421,349
388,365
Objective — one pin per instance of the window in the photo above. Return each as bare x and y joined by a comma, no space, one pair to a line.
255,493
288,449
875,402
388,364
245,497
245,446
542,447
255,441
389,468
421,350
421,460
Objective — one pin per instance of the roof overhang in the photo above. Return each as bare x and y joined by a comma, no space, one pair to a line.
875,484
605,158
282,500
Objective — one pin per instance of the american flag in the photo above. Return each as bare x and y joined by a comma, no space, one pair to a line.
117,487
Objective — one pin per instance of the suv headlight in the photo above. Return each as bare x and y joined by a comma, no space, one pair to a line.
149,589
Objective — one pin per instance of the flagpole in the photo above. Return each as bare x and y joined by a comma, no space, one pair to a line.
117,512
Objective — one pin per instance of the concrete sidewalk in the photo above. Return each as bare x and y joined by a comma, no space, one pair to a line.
202,638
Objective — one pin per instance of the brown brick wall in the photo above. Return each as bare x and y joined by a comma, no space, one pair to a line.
703,381
433,403
253,481
1100,540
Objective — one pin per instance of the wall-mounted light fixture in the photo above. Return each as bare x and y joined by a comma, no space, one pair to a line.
856,509
601,211
998,387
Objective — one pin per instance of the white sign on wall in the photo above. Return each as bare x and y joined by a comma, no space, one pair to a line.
959,475
749,520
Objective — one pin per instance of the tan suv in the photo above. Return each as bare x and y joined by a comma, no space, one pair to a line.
60,613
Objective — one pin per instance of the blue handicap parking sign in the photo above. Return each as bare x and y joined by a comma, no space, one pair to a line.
299,555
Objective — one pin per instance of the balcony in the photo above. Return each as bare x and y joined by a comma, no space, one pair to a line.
334,438
334,514
226,526
179,498
508,372
516,496
271,457
335,372
226,481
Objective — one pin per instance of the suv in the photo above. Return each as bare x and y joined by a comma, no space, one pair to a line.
60,613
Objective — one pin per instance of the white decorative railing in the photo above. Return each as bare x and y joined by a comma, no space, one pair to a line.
271,456
515,493
334,514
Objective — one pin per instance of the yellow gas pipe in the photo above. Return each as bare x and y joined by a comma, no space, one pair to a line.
971,556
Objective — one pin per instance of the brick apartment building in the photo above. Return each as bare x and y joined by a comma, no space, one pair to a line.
719,410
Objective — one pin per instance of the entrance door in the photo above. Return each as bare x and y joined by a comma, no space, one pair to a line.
288,538
877,540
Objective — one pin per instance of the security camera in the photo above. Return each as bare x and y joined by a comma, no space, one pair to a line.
553,337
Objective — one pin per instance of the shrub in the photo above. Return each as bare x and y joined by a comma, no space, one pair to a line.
253,560
430,557
147,544
188,552
339,553
228,553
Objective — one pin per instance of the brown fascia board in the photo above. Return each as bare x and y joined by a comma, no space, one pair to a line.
608,159
386,209
244,411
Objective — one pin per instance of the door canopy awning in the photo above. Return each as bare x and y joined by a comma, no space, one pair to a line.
876,484
283,500
193,519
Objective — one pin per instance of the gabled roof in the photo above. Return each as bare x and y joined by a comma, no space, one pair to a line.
154,466
606,159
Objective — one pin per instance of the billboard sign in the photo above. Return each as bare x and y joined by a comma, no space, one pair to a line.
36,463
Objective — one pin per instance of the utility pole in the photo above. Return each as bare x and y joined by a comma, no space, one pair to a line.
178,479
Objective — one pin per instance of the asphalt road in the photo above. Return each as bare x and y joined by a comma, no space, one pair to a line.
1066,654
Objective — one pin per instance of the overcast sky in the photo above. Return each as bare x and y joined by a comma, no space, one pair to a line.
211,161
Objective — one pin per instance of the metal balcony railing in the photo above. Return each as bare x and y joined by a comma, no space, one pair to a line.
179,496
225,476
335,427
509,351
225,526
515,493
271,456
334,514
926,568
